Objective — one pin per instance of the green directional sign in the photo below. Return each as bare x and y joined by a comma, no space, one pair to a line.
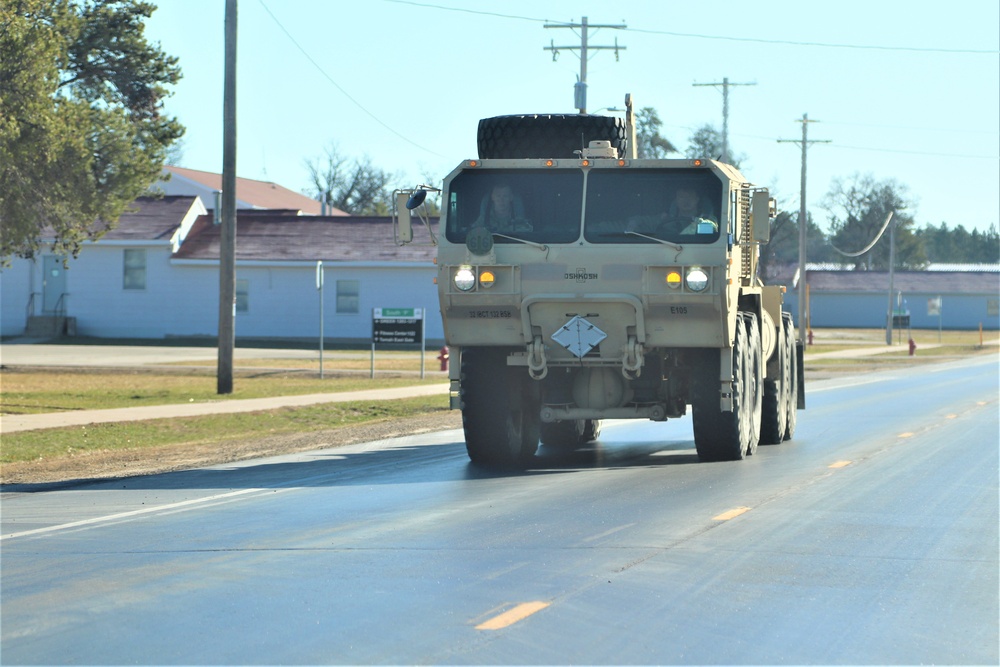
408,313
397,325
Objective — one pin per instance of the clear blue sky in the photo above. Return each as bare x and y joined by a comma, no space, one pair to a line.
407,82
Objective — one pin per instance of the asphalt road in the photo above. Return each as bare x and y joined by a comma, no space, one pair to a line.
872,537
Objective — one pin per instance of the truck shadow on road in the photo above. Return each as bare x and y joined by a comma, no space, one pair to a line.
399,461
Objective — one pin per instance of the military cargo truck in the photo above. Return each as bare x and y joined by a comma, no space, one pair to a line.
579,283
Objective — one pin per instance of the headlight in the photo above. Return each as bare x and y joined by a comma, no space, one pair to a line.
673,279
697,280
465,278
486,278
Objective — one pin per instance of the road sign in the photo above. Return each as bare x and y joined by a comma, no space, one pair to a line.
398,325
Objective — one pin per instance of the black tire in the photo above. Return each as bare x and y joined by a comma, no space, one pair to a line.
570,433
500,412
718,435
754,388
792,397
547,135
774,417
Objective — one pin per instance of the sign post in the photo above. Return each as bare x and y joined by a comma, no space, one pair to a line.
319,288
398,326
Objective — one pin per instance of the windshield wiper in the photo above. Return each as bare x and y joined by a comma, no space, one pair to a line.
676,246
542,247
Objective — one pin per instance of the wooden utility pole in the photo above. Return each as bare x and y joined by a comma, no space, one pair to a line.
580,96
227,245
725,111
804,143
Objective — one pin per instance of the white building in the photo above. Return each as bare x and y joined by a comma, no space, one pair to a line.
156,275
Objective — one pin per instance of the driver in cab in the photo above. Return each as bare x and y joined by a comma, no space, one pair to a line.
503,212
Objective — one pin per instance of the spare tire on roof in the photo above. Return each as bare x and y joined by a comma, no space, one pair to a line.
547,135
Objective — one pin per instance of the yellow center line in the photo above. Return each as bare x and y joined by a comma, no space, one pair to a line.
508,618
731,514
841,464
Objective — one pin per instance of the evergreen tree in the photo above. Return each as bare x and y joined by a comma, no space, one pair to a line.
82,129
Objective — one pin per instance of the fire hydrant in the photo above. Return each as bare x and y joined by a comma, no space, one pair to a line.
443,357
810,336
913,347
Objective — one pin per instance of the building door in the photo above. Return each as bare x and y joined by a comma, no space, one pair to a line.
53,283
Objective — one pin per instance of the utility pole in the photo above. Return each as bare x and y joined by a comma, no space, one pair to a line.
892,267
227,243
580,90
804,143
725,111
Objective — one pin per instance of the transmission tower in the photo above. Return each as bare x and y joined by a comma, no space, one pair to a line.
580,89
725,111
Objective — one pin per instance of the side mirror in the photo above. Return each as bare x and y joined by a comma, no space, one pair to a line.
416,199
760,216
404,227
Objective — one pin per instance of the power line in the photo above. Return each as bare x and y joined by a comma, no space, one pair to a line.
883,126
827,45
338,86
756,40
903,152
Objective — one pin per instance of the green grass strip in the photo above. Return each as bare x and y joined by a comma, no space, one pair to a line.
60,442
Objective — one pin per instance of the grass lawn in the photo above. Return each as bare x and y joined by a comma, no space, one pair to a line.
208,429
40,391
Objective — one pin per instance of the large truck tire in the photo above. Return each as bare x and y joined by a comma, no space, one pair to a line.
723,435
500,413
777,391
547,135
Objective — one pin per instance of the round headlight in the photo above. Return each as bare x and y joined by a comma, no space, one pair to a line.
697,280
673,280
487,278
465,279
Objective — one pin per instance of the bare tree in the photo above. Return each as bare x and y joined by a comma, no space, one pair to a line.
650,144
858,209
706,142
352,185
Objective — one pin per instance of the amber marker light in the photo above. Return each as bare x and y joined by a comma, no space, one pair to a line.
486,278
622,163
473,163
585,163
697,163
550,163
673,280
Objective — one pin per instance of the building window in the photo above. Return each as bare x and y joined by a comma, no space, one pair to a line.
242,295
347,296
134,276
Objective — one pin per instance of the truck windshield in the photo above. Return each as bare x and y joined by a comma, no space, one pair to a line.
642,205
543,207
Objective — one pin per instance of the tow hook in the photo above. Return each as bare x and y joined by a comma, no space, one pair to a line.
537,366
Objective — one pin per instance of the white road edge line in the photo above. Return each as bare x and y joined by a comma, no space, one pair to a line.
126,515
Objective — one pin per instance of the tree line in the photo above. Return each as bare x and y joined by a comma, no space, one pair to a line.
857,208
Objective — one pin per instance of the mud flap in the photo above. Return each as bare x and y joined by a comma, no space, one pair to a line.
801,372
